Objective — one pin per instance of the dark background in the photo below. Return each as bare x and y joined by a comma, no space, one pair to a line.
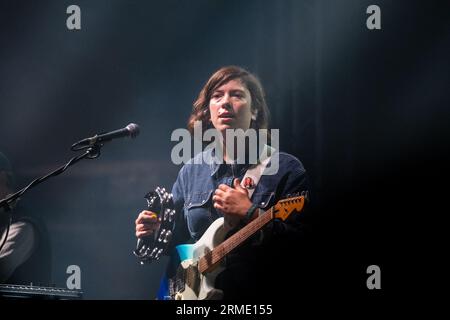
366,111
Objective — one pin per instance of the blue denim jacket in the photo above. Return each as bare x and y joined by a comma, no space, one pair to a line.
196,184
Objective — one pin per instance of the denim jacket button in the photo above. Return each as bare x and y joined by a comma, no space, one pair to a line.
263,203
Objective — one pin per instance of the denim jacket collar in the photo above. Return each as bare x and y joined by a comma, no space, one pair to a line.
216,163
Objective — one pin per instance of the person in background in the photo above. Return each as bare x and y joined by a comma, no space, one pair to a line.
25,255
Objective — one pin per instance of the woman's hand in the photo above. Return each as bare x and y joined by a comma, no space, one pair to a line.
233,202
146,223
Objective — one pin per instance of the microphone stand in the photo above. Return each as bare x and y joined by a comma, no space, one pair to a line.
92,152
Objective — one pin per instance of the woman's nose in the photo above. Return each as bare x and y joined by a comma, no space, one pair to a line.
226,102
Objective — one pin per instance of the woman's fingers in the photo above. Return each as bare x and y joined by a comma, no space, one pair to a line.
142,234
146,223
146,227
147,216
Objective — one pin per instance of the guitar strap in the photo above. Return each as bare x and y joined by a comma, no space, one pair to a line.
249,182
253,174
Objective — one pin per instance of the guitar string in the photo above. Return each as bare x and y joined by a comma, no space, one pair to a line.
212,257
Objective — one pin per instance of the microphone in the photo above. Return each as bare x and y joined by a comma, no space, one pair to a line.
131,130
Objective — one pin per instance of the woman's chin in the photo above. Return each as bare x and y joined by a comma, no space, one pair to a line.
224,126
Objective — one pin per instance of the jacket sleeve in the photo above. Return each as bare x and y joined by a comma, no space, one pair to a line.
181,233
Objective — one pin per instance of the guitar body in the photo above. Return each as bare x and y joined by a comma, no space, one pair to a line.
195,285
198,265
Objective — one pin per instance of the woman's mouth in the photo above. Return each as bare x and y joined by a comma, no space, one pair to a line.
226,116
226,119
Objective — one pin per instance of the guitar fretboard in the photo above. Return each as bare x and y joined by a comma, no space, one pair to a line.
209,260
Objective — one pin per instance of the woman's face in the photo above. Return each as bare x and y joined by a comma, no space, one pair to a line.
230,107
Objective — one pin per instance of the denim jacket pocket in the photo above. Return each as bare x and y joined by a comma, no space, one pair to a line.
198,213
263,200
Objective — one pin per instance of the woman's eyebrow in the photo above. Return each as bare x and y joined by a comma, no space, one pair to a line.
232,91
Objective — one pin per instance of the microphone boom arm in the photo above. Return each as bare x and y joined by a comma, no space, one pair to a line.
92,146
92,152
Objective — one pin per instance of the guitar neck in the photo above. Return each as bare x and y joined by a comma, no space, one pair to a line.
209,260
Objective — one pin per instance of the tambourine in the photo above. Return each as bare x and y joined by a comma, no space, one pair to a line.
153,247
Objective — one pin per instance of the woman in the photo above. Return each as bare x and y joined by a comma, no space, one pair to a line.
206,190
